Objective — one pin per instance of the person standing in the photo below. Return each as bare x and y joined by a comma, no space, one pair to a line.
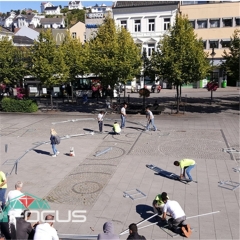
158,203
178,216
100,120
13,195
108,232
133,232
123,115
3,188
186,165
150,119
53,142
46,231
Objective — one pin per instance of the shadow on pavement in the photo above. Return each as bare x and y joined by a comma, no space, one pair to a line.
41,152
143,211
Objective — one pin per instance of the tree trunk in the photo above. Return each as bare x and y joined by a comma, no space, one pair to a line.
72,92
180,93
211,96
177,87
124,95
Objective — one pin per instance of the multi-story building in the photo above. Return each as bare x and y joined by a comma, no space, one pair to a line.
26,20
44,5
52,23
100,8
147,21
214,22
78,31
52,10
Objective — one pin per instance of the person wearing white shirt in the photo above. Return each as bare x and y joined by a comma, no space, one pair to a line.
150,119
12,195
123,115
46,231
178,216
100,120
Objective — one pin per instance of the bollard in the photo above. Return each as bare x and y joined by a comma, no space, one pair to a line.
6,148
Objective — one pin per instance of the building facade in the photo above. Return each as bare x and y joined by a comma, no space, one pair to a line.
214,22
75,5
146,21
78,31
44,5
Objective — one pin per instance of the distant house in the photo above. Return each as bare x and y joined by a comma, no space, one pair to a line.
52,23
100,9
8,20
44,5
52,10
22,41
78,31
75,5
5,33
26,20
28,32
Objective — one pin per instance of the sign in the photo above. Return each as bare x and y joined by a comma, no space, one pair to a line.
33,89
44,91
56,89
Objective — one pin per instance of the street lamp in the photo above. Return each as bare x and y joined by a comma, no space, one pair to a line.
144,57
212,55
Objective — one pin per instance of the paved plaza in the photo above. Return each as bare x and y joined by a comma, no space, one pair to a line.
96,183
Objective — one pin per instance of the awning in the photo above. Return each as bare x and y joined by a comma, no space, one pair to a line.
214,19
237,17
204,19
213,40
226,39
227,18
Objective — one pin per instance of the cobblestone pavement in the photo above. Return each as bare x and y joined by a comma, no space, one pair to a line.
96,184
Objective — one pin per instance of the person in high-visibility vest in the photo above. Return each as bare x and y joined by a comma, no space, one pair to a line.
116,128
186,165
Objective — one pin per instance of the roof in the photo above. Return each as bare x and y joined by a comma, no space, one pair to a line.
27,31
124,4
50,8
22,40
5,30
51,20
27,17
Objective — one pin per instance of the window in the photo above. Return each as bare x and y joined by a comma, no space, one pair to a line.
151,25
124,24
137,25
225,43
213,43
202,23
74,35
166,23
151,48
204,44
237,21
214,23
192,22
227,22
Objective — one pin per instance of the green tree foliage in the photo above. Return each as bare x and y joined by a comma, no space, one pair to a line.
13,62
180,57
232,57
113,54
48,61
75,56
74,16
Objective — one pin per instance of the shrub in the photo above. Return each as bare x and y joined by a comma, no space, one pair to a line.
14,105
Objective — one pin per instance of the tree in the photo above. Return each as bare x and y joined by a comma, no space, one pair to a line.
180,57
13,62
114,56
48,63
232,57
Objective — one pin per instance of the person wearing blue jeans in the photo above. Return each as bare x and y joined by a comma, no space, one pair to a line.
53,142
186,165
150,118
123,115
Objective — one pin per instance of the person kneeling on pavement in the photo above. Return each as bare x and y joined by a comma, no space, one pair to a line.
177,217
158,203
116,128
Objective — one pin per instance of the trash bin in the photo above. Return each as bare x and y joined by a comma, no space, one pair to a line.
224,83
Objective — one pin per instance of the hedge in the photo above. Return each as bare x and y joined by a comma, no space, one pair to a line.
14,105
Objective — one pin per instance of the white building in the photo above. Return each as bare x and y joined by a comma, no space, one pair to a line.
75,5
44,5
100,9
26,20
8,20
5,33
53,23
52,10
146,21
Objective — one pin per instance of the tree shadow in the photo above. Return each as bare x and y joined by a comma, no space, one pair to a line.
41,152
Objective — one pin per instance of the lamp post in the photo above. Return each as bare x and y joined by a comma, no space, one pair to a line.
144,56
212,55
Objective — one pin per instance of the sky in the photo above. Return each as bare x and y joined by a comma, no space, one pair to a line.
6,5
